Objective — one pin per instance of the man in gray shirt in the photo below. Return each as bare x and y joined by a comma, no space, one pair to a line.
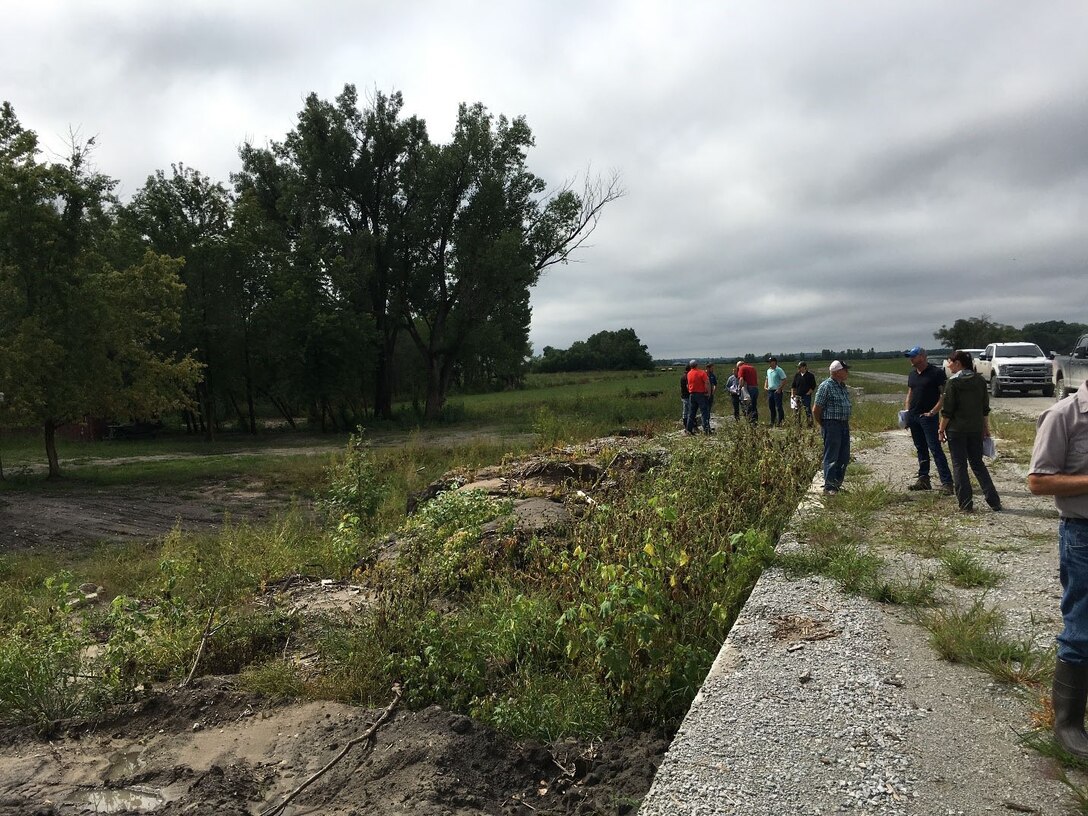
1059,468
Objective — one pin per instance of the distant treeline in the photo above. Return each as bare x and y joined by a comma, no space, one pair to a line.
979,332
965,333
790,356
604,351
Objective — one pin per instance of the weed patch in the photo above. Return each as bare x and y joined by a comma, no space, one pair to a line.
965,570
976,635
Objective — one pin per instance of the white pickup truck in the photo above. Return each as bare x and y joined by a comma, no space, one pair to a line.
1015,367
1069,372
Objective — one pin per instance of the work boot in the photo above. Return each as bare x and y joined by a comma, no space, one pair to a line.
1069,695
921,484
947,489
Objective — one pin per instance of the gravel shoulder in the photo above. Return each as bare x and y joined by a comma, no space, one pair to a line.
823,702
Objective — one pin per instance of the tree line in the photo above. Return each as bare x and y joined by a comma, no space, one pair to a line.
979,332
353,263
618,350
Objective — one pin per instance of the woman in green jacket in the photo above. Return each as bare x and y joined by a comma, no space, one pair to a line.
965,422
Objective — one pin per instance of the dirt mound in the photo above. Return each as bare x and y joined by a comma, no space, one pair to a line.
211,750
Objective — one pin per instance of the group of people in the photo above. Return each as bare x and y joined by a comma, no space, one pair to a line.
938,409
698,387
952,409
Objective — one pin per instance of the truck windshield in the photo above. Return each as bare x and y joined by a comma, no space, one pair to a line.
1019,350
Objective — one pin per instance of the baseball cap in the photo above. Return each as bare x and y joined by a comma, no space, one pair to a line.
837,365
802,363
914,351
693,363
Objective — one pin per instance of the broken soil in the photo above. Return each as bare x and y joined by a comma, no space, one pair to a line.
210,750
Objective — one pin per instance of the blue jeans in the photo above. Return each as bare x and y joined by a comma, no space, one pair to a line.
836,434
700,404
686,402
1073,572
753,406
774,403
923,429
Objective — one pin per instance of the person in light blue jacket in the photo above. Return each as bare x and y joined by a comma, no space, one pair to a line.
775,382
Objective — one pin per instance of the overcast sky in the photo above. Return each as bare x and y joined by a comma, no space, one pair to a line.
798,175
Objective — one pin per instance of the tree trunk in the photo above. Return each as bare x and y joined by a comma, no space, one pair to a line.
243,422
249,406
383,381
438,381
51,448
284,410
207,408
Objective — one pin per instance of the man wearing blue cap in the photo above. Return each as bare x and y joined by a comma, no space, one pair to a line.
925,393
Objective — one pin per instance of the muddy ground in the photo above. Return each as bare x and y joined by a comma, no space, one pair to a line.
211,750
69,517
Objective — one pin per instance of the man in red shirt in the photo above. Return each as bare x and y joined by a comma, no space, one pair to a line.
747,372
699,394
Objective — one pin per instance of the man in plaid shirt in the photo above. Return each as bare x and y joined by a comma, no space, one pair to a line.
831,410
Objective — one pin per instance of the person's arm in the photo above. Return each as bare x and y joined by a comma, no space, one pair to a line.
1058,484
817,413
936,409
906,402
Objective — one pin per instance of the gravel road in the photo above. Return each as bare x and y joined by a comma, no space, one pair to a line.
823,702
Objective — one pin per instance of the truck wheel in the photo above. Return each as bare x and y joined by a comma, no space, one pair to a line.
1059,388
995,386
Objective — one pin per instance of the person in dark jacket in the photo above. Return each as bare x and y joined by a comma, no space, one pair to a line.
803,387
965,422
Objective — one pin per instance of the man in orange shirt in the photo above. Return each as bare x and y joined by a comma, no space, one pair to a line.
699,394
747,373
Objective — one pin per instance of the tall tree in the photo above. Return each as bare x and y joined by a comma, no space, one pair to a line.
335,187
187,215
77,335
483,230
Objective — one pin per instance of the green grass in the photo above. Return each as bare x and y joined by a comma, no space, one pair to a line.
965,570
977,636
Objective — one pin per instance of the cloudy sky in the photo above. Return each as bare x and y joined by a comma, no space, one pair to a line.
798,175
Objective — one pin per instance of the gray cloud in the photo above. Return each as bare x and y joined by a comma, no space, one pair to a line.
799,175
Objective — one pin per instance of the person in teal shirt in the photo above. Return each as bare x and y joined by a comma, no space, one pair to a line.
776,381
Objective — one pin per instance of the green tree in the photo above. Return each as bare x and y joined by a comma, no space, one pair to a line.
440,241
975,332
1054,335
335,189
186,215
604,351
78,335
484,231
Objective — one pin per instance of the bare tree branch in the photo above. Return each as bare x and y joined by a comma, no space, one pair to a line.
596,193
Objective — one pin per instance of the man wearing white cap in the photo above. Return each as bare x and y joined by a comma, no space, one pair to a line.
831,410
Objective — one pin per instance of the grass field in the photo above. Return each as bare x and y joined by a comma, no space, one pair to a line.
553,408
